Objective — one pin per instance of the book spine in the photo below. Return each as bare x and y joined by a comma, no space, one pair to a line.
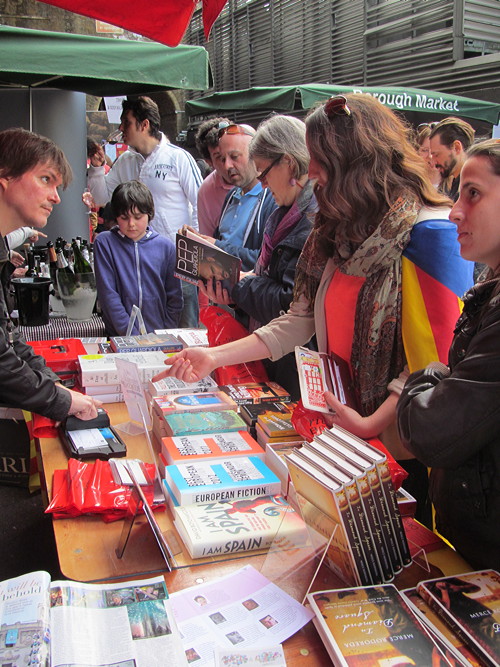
371,513
392,504
146,348
360,519
198,495
457,629
385,520
110,398
94,390
354,540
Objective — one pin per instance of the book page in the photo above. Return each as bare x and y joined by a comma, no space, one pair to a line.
242,610
130,623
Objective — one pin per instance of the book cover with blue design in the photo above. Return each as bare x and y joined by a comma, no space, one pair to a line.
192,423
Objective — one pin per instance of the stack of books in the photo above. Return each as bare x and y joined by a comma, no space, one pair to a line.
99,377
450,620
146,342
349,482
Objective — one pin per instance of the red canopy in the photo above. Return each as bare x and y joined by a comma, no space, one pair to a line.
164,21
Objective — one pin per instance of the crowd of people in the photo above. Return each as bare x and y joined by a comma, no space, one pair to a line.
357,235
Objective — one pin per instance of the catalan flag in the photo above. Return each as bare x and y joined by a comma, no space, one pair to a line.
434,278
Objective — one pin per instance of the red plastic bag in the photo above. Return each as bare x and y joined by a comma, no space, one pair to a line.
223,328
309,423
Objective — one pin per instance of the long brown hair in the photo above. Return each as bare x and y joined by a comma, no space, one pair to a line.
370,161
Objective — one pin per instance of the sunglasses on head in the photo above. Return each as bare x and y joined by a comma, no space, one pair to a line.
224,128
430,125
266,171
337,106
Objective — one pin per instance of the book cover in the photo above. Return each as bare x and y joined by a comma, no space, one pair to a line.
382,466
191,423
100,369
470,604
329,497
277,426
256,392
198,260
355,503
319,372
145,342
217,529
263,438
171,385
372,626
251,411
170,404
454,649
210,446
239,478
406,502
188,337
357,467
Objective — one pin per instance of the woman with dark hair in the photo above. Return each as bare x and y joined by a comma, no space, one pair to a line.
376,204
280,154
449,415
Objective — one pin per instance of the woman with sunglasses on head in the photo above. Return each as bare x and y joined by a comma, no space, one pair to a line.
449,415
375,204
280,155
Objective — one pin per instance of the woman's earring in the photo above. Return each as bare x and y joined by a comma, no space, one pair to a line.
293,182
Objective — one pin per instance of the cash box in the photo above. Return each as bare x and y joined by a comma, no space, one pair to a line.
61,356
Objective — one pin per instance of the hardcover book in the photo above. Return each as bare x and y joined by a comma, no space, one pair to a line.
215,529
372,626
251,411
320,372
171,385
454,648
141,343
198,260
470,604
379,459
256,392
100,369
193,423
181,449
347,561
201,402
239,478
263,438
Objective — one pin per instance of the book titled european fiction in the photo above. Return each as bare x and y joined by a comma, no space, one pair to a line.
372,626
198,260
256,392
207,446
143,342
215,529
470,604
238,478
192,423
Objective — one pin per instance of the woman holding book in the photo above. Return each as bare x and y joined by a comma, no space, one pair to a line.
377,211
449,415
280,154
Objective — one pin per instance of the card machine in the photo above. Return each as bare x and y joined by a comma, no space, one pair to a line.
92,438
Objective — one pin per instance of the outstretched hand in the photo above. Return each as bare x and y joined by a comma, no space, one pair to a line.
190,365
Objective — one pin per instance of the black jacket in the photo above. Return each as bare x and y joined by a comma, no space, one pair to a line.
451,422
25,380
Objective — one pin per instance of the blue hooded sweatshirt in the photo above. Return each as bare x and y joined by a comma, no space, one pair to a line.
139,273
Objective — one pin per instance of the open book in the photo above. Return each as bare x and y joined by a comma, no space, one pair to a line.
195,260
69,623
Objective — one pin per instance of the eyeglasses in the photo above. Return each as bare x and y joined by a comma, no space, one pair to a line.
266,171
224,128
337,106
429,125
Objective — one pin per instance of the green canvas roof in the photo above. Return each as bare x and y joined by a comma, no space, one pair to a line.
98,65
289,98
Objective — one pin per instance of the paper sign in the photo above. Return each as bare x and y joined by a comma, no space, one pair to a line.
133,391
114,108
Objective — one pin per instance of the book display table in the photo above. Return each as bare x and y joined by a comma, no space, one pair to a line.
61,327
86,549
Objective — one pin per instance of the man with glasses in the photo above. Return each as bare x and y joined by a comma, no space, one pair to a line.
248,205
450,139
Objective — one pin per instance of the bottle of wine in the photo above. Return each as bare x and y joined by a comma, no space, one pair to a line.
80,264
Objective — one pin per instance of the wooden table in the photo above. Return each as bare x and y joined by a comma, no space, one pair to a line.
86,549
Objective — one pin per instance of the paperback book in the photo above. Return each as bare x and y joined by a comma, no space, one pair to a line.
100,369
216,529
188,337
145,342
238,478
372,626
251,412
171,385
256,392
194,423
198,260
201,402
470,604
277,426
182,449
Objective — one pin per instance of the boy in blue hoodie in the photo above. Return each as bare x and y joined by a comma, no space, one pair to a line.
134,265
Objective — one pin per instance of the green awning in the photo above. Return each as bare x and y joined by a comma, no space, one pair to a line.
289,98
98,65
